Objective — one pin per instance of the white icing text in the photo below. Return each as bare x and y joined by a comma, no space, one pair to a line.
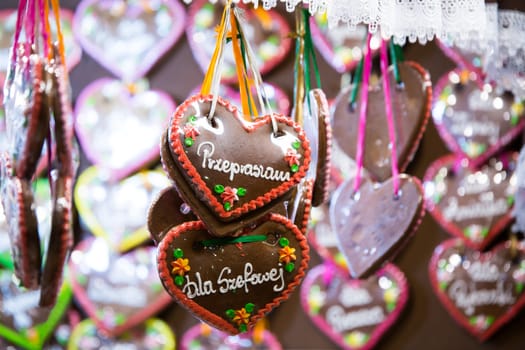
342,321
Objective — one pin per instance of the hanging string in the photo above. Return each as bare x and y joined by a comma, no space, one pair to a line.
394,52
22,8
309,48
299,69
61,49
389,115
46,28
356,81
30,23
367,69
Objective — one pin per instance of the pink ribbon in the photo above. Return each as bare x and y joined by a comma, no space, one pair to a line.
367,69
389,115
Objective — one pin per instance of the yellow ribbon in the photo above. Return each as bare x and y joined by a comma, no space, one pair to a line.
247,102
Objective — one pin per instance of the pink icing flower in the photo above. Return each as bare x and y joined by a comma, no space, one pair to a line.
229,195
191,131
292,157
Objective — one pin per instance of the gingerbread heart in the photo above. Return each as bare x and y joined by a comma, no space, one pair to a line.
17,201
118,292
128,38
322,237
153,334
374,223
354,314
266,31
204,337
474,205
22,321
116,211
234,166
118,125
231,283
295,205
73,52
481,291
26,110
340,47
411,104
475,122
319,133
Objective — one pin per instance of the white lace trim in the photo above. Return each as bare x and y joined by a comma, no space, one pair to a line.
412,20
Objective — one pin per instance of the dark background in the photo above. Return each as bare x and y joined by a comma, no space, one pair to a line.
425,324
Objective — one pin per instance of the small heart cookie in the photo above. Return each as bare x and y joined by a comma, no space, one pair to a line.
231,283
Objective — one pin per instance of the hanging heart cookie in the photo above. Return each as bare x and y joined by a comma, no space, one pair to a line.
373,224
481,291
17,200
284,205
474,205
118,125
118,292
73,52
22,321
475,121
411,108
235,167
153,334
128,38
204,337
231,283
266,31
354,314
116,210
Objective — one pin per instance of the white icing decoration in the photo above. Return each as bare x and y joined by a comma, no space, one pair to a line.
99,290
483,271
470,299
207,149
482,209
354,296
341,321
465,126
226,283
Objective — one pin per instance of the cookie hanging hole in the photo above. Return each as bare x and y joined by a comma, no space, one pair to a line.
185,209
397,195
278,133
213,122
352,107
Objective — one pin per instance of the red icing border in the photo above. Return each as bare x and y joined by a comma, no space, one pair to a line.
450,227
381,329
203,313
451,142
454,312
177,150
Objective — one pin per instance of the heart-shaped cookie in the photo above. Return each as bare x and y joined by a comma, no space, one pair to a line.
295,204
17,201
235,166
204,337
322,237
128,38
118,125
481,291
116,211
277,98
319,133
153,334
411,106
231,283
373,224
475,122
354,314
340,47
73,51
266,31
22,321
474,205
116,291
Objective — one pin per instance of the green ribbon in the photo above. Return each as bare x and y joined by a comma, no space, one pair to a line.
356,80
396,55
233,240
